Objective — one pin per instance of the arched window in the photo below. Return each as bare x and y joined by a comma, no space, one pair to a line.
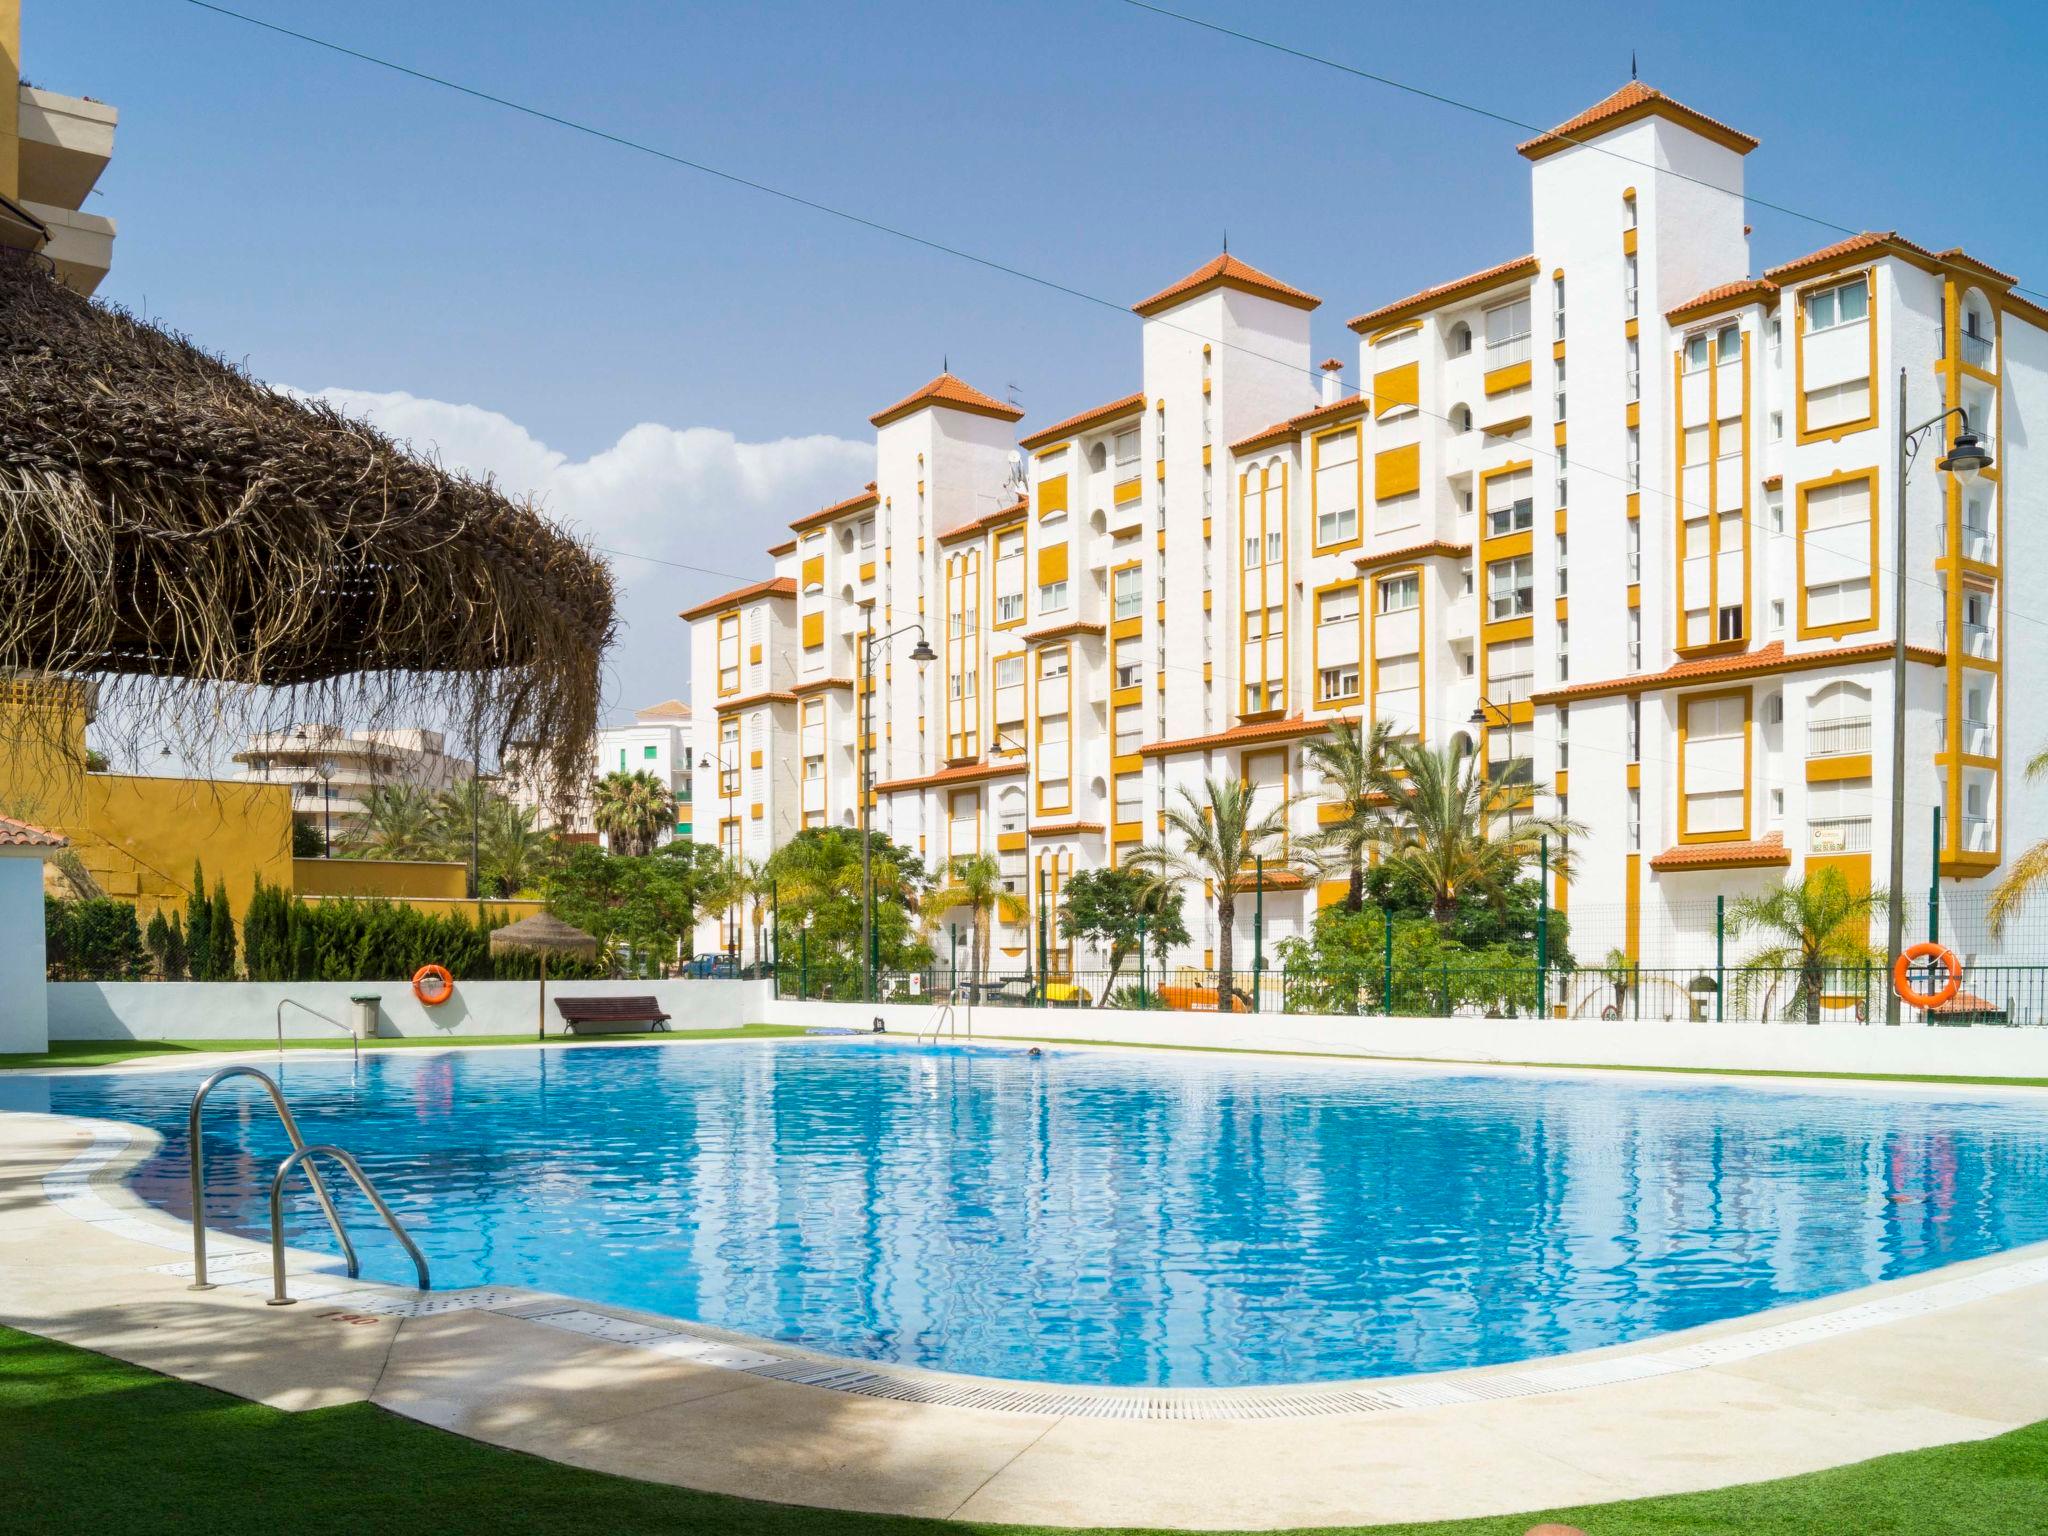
1461,418
1098,457
1459,342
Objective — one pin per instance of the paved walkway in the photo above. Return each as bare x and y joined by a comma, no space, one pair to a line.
1958,1355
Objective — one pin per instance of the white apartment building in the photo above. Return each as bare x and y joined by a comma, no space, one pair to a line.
53,149
656,741
1614,506
331,772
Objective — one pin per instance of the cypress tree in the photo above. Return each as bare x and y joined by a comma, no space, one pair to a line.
220,935
198,924
174,952
157,940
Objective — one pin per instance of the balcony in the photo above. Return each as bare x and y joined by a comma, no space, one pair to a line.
1837,738
1977,738
1977,351
1977,835
1977,640
1634,380
1516,517
1839,834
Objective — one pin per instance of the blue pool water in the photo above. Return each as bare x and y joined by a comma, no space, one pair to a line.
1120,1219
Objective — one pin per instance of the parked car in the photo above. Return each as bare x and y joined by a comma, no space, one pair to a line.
722,967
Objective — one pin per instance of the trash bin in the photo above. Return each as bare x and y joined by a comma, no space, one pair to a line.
363,1015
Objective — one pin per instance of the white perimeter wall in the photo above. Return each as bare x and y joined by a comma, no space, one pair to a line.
247,1010
1976,1051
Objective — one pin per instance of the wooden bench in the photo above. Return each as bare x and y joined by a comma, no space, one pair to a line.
611,1015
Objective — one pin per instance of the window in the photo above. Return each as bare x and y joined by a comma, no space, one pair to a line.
1696,348
1564,661
1334,683
1633,547
1461,418
1129,663
1564,740
1399,594
1130,592
1777,615
1628,213
1731,621
1009,672
1633,367
1510,588
1635,730
1052,665
1635,458
1563,480
1337,607
1728,344
1130,797
1276,546
1459,342
1396,673
1777,425
650,754
1507,334
1563,565
1510,669
1506,517
1336,487
1009,607
1714,767
1838,816
729,653
1629,289
867,533
1834,405
1052,597
1557,386
1130,731
1557,310
1635,821
1127,448
1843,304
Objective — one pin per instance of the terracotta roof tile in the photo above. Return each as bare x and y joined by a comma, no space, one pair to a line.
858,502
1293,426
1424,551
1761,854
984,522
1240,735
948,390
1634,100
19,834
1869,240
959,773
774,586
1081,421
1758,663
1061,631
1749,290
786,547
1226,271
1442,293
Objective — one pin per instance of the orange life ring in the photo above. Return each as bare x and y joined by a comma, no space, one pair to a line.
1926,951
441,993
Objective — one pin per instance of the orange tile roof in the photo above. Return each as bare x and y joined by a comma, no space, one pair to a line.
1968,1002
1631,103
1239,735
1293,426
1774,482
822,685
1750,290
1425,551
948,390
786,547
19,834
749,700
1226,271
1063,828
984,522
859,502
774,586
1758,663
1458,287
1957,256
1081,421
1761,854
1061,631
1885,240
959,773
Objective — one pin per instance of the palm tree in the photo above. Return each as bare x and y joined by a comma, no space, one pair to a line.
1353,762
724,891
631,809
1455,831
1819,924
512,853
974,884
399,821
1219,836
758,886
2027,871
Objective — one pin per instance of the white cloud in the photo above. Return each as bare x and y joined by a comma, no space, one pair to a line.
696,495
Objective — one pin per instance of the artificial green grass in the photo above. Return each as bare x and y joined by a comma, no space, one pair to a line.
106,1053
92,1444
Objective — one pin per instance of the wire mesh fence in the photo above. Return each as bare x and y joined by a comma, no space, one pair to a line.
1988,995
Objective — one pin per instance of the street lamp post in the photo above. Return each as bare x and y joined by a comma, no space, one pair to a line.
476,783
1966,459
1484,715
325,768
728,786
921,653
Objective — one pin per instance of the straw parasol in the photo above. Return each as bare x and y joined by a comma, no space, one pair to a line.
216,554
543,935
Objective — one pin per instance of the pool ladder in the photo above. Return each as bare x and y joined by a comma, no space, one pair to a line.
301,1155
944,1020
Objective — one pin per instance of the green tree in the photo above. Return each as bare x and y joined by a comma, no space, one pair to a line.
973,884
818,875
1457,833
632,810
513,855
198,926
644,903
1353,763
95,938
1111,908
306,843
2027,871
1217,836
1811,927
399,821
220,936
1508,916
1341,967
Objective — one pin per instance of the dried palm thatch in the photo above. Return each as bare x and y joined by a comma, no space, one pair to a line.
165,521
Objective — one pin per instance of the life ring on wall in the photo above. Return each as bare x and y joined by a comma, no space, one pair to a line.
1926,951
432,985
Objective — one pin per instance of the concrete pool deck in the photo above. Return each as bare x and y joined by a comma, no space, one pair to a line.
1958,1354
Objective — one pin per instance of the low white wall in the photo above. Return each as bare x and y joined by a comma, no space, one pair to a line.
1916,1049
247,1010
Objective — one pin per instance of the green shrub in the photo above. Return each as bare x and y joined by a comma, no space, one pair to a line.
95,939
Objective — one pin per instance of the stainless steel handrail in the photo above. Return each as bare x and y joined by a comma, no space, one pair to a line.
355,1045
196,1156
355,1171
941,1016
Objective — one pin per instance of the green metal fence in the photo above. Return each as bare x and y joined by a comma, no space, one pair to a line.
1989,995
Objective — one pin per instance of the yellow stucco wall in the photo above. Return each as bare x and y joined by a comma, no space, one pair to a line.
379,877
499,911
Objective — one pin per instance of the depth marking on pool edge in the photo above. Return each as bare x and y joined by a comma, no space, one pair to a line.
242,1265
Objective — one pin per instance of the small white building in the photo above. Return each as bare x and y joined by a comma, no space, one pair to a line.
656,742
24,966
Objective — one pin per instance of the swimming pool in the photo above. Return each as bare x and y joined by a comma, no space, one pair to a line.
1116,1218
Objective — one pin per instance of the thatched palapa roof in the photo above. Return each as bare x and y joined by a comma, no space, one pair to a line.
165,519
542,933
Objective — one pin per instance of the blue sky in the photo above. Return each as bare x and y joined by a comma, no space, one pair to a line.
679,365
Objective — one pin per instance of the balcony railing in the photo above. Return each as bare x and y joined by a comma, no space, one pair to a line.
1977,351
1836,738
1839,834
1516,517
1977,544
1631,295
1634,378
1977,639
1977,834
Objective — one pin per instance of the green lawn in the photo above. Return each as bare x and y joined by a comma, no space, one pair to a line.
104,1053
91,1444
